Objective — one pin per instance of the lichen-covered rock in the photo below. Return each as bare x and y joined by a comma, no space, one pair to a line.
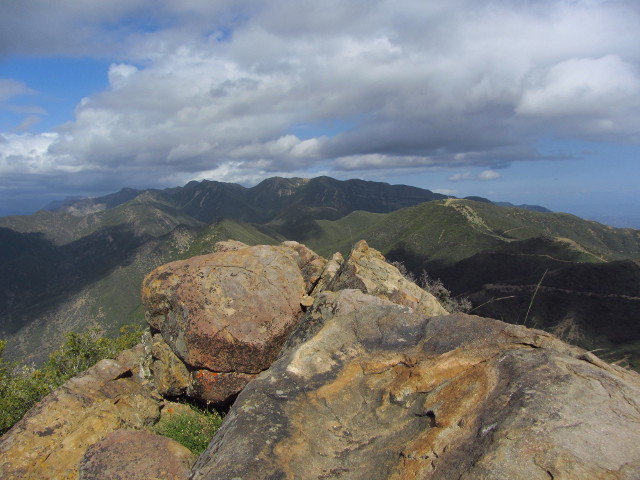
52,437
136,455
228,246
171,376
366,389
367,270
228,311
310,263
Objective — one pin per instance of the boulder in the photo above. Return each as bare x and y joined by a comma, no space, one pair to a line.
367,270
136,455
367,389
228,311
52,437
223,317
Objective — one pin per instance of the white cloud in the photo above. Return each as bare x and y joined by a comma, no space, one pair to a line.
457,177
468,175
219,87
489,175
583,87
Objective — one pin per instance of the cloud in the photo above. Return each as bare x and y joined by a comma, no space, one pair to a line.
489,175
457,177
219,88
584,86
467,175
10,88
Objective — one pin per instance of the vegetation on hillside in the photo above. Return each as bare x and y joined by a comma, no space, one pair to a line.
21,387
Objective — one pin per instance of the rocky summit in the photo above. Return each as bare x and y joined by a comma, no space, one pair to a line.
332,369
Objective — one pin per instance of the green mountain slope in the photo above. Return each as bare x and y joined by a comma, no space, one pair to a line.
81,265
496,256
92,283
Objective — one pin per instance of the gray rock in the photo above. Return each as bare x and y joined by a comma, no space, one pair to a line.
365,389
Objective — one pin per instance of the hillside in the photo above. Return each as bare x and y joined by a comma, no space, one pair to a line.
82,264
339,368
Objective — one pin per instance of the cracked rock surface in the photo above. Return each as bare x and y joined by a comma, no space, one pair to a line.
367,389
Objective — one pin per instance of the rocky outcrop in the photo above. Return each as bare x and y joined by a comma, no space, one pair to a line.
227,314
52,437
136,455
311,264
367,270
366,389
170,374
328,272
373,381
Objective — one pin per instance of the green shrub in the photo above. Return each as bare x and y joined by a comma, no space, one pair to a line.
194,430
21,387
436,288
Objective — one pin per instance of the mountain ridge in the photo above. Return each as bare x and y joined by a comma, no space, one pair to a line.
440,235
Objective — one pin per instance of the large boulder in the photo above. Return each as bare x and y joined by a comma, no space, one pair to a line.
136,455
52,437
366,389
227,314
228,311
366,269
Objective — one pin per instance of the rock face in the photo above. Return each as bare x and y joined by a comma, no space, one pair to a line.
227,314
52,437
136,455
366,389
367,270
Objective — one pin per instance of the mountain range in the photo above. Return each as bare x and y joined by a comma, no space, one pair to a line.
79,264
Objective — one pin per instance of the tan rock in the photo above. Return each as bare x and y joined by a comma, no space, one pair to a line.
171,376
132,359
52,437
306,301
310,263
367,389
367,270
330,269
136,455
228,246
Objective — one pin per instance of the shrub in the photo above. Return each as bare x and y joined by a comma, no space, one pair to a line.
194,430
437,289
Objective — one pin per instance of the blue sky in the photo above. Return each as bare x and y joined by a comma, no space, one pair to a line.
527,102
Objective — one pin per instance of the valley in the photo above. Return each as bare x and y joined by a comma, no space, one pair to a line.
81,264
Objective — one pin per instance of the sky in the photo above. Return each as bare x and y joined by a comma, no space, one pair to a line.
523,101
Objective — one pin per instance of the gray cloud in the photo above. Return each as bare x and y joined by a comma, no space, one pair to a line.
222,88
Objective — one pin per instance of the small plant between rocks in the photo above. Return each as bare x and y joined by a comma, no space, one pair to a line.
193,427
